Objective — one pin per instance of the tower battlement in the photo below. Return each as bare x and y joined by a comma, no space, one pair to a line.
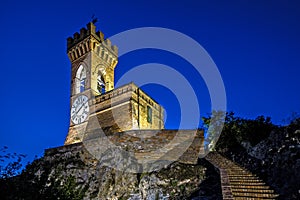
88,32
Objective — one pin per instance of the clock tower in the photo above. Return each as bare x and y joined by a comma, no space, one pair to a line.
95,103
93,60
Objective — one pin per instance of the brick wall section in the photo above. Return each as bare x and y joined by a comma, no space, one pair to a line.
184,146
116,111
137,100
195,150
119,117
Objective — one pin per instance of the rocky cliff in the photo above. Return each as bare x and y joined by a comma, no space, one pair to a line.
72,173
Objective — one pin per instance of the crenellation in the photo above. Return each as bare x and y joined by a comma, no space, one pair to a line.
107,42
83,33
91,28
76,36
115,49
112,48
69,42
144,96
100,35
90,32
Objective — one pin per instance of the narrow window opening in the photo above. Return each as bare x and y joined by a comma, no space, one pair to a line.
149,114
100,85
80,80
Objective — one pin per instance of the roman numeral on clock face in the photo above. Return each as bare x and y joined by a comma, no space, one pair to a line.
73,117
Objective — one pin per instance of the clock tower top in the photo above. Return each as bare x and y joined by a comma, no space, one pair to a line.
93,39
93,60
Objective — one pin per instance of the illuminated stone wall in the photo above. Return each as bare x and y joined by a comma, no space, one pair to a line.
140,104
126,106
120,109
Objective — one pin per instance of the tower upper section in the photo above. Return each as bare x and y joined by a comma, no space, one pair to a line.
93,60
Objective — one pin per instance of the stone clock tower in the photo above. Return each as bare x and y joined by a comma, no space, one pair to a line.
93,60
115,123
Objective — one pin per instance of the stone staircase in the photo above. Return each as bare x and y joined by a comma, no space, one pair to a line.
180,145
237,183
170,151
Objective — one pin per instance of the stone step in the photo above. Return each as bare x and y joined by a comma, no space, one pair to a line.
247,183
234,167
242,183
234,177
253,180
256,190
242,175
261,187
169,153
252,198
240,170
249,194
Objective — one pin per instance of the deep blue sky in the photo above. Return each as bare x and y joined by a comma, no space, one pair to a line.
255,44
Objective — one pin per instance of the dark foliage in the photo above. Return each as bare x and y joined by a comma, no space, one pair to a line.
34,183
10,163
237,130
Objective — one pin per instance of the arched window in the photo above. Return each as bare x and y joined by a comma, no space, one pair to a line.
100,84
80,79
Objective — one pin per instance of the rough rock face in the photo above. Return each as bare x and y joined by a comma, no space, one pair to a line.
92,180
276,160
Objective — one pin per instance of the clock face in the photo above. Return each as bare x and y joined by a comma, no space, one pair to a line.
80,109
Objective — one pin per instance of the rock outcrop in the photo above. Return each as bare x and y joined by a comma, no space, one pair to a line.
72,171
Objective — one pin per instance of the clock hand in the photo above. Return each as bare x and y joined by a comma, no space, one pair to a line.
80,107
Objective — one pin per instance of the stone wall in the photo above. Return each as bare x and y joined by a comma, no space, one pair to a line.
138,102
149,145
122,109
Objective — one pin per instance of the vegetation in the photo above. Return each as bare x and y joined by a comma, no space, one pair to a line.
236,130
11,163
34,183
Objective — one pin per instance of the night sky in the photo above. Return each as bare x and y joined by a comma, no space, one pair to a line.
255,45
